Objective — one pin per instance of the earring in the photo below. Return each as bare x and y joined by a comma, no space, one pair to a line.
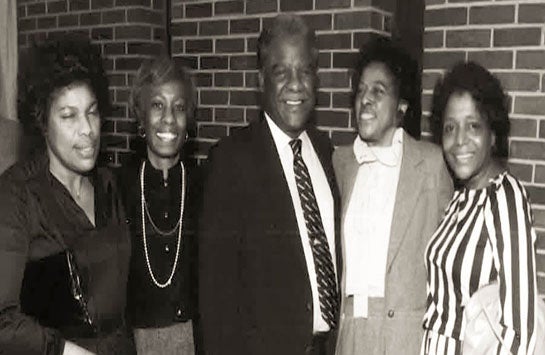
141,131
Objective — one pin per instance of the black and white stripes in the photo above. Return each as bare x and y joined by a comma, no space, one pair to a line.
485,235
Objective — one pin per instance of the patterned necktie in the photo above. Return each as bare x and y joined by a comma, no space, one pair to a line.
325,274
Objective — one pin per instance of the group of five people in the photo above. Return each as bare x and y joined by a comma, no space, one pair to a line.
289,246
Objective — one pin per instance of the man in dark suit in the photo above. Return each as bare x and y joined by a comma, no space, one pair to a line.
268,267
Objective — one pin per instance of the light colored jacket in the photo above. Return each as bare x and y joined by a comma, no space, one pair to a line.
423,191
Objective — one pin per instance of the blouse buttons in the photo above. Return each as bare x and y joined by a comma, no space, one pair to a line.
165,215
178,313
167,248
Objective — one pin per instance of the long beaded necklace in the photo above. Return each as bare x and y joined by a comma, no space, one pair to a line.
179,225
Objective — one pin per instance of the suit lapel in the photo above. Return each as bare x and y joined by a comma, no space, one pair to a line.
408,190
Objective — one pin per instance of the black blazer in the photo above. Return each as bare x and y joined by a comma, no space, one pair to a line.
254,294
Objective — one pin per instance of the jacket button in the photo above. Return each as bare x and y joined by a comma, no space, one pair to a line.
178,313
391,313
127,221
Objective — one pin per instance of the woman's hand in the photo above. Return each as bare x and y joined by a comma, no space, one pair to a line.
73,349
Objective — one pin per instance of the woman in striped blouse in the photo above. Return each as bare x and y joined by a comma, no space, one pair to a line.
486,234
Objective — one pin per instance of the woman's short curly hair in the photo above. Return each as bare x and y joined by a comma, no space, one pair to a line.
488,94
401,65
52,65
157,71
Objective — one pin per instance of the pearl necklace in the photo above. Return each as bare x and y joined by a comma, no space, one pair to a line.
179,224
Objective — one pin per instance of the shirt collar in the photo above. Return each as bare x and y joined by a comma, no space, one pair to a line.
389,156
281,139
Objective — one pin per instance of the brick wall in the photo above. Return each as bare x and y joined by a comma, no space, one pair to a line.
218,40
507,38
126,30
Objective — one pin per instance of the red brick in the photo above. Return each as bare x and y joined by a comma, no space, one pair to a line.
324,60
127,63
177,46
198,10
537,194
198,45
228,79
339,138
117,79
360,38
22,40
332,118
468,38
101,33
540,244
426,101
229,45
531,59
48,22
133,2
492,14
229,114
319,22
243,62
144,48
332,4
122,95
89,18
493,59
445,17
523,127
334,41
159,34
530,105
114,141
77,5
207,131
540,265
251,80
300,5
519,81
214,97
521,171
145,16
27,24
184,29
244,98
260,6
540,174
345,60
217,62
542,129
210,28
101,4
342,99
204,114
229,7
429,80
68,20
35,9
125,126
508,37
250,25
433,39
177,12
531,13
54,7
114,48
323,99
442,60
251,44
539,218
21,11
334,79
352,20
113,16
527,150
133,32
203,79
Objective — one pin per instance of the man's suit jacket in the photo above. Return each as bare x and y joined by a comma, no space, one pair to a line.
423,191
254,293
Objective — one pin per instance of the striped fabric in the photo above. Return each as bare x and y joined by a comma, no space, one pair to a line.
325,272
485,235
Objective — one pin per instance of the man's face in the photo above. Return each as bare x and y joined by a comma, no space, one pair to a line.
288,81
